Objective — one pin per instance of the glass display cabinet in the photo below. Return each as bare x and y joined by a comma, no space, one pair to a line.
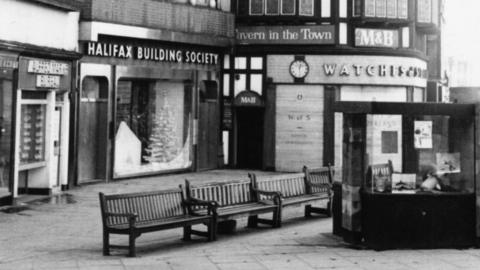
409,174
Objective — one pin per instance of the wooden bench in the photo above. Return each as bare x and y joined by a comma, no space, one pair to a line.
136,213
300,188
234,199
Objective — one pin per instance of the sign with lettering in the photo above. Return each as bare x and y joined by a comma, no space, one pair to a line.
248,98
8,62
299,126
365,37
318,34
41,74
150,53
47,67
353,69
47,81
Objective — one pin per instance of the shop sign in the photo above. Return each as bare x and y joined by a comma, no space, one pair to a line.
248,98
47,81
376,38
47,67
8,63
148,53
356,70
318,34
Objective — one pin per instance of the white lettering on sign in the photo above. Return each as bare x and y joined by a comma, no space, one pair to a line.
374,70
248,100
151,53
47,81
376,38
47,67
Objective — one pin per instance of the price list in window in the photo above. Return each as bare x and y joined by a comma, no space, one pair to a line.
32,133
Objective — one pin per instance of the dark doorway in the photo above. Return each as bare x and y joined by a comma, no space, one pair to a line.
249,137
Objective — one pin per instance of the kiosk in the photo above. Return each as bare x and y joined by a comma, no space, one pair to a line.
427,199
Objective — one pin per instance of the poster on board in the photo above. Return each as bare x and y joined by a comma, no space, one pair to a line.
448,163
423,134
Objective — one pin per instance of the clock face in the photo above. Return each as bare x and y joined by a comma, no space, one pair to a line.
299,69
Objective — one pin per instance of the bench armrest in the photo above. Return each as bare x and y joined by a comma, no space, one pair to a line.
211,205
276,195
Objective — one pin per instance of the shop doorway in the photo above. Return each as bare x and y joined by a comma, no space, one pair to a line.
249,137
92,130
208,126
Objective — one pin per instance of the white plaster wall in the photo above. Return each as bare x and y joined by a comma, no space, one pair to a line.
39,25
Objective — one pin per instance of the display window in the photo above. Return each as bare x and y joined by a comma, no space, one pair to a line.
427,153
153,127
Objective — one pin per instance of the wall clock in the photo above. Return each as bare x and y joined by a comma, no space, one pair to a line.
299,69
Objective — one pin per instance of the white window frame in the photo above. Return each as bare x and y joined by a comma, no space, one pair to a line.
272,14
306,14
294,8
256,14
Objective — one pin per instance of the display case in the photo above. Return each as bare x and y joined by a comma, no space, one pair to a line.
409,174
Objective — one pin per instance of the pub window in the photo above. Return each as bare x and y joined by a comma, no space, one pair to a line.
256,7
392,9
427,11
306,7
284,7
271,7
288,7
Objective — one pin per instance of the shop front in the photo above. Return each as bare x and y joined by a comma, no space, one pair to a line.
139,107
301,91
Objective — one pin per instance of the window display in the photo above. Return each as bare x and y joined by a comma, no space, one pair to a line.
154,120
32,133
433,159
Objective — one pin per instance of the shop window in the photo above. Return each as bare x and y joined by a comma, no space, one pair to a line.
306,7
427,11
94,88
247,74
271,7
154,121
32,132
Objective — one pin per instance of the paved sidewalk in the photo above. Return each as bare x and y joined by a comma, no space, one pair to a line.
65,233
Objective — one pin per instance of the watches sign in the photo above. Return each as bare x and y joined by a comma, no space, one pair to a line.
365,37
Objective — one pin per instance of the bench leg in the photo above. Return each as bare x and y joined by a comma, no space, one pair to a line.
252,221
211,230
106,243
308,210
329,208
277,218
187,233
131,239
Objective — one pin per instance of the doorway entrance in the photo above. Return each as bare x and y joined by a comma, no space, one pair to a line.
249,137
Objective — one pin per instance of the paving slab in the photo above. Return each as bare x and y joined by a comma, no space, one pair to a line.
66,233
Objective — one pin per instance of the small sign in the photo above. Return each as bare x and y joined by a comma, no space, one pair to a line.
47,67
423,134
365,37
314,34
8,62
47,81
249,99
